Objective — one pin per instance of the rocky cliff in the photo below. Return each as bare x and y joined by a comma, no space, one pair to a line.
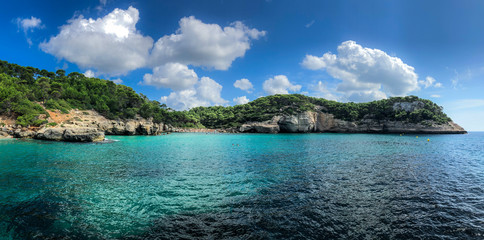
90,126
84,126
306,122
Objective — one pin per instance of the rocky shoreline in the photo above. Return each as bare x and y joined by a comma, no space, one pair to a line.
90,126
307,122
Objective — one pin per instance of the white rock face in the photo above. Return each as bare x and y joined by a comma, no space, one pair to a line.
324,122
76,134
269,126
302,122
408,106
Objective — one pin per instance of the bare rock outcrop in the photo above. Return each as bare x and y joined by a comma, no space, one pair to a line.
92,119
70,134
306,122
4,134
269,126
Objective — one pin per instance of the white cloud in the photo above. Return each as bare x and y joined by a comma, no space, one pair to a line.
366,74
430,82
323,91
205,93
459,77
279,85
309,24
210,90
31,23
171,75
200,44
366,96
111,44
435,96
89,73
102,4
117,80
241,100
244,84
183,100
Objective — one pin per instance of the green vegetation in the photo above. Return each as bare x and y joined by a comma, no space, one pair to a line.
24,89
265,108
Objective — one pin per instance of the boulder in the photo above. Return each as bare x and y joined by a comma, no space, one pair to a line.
83,135
4,135
74,134
130,128
24,134
302,122
260,127
52,134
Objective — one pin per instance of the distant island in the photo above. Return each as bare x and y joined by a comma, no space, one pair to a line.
54,106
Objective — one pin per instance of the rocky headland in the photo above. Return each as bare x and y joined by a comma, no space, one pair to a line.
45,105
308,122
90,126
320,121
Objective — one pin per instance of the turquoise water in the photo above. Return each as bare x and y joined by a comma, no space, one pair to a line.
249,186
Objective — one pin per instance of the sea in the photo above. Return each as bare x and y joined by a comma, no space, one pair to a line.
245,186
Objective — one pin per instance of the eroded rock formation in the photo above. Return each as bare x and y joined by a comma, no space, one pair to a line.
306,122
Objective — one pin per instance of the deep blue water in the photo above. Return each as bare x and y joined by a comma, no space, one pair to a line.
245,186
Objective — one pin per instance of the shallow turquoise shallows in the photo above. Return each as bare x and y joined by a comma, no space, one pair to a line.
249,186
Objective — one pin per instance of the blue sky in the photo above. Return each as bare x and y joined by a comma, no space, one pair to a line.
192,53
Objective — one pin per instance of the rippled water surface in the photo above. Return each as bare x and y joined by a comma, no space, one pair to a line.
245,186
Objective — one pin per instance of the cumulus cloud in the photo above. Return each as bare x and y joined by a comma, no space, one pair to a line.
279,85
89,73
323,91
210,90
200,44
430,82
241,100
206,92
244,84
111,44
366,74
171,75
366,96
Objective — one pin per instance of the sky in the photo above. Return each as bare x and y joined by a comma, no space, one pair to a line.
204,53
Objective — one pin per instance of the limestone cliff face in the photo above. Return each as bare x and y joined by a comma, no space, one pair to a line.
306,122
92,119
85,126
83,134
